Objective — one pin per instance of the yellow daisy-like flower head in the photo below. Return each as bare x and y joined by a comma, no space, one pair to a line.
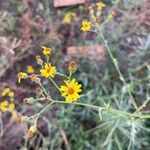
30,69
100,5
21,75
71,90
46,50
48,70
86,26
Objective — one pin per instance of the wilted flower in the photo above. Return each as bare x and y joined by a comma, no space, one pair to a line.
21,75
46,50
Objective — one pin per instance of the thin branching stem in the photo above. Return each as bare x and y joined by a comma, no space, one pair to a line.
54,83
119,72
63,75
108,109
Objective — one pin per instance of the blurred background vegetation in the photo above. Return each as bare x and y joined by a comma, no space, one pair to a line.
28,24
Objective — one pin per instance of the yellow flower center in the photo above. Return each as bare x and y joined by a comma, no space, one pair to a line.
48,69
70,91
47,50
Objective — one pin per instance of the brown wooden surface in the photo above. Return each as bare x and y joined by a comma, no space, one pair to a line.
94,52
60,3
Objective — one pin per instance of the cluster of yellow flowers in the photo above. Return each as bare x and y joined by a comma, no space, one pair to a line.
71,90
95,16
7,92
8,105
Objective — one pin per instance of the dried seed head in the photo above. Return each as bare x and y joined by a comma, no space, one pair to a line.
39,91
29,100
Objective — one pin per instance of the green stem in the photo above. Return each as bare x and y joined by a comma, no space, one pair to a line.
58,73
70,75
43,110
54,83
108,109
43,89
119,72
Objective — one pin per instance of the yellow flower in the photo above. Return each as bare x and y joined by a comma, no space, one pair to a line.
71,90
86,26
11,94
3,109
3,106
30,69
46,50
48,70
5,91
11,106
68,16
21,75
100,5
4,103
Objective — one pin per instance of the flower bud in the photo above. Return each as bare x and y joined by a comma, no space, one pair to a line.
18,119
24,118
72,67
34,78
29,100
32,130
39,60
39,91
